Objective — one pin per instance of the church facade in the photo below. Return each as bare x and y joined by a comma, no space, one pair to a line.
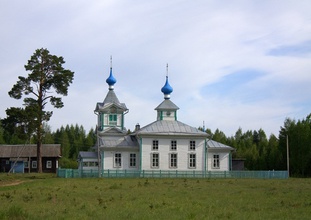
165,144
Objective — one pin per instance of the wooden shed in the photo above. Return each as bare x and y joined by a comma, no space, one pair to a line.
23,158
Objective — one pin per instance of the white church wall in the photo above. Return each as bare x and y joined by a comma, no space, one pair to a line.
164,151
110,163
224,158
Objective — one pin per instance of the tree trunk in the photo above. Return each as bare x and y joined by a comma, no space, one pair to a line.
39,156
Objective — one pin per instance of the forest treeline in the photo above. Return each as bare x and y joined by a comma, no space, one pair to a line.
259,151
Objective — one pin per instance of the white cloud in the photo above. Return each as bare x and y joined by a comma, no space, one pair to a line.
203,42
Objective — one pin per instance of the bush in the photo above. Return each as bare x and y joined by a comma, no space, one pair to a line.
68,163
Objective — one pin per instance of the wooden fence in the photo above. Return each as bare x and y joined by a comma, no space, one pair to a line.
75,173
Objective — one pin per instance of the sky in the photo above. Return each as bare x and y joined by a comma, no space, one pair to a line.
232,64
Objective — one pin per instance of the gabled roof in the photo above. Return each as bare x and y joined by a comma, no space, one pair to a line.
110,100
167,105
30,150
216,145
165,127
111,97
112,131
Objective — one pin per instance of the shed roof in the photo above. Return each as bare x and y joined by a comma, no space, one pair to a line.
217,145
128,141
30,150
88,154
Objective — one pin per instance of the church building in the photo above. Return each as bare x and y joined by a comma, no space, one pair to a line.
165,144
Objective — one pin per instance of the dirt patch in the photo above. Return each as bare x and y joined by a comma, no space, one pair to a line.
14,183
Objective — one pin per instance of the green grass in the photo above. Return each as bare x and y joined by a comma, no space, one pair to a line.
47,197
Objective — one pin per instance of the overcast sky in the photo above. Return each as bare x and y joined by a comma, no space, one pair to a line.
231,63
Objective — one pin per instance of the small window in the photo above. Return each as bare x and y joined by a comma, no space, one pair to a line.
49,164
132,160
192,161
92,164
154,160
192,145
174,145
216,161
7,162
112,119
85,164
34,164
117,160
96,164
26,164
155,145
173,160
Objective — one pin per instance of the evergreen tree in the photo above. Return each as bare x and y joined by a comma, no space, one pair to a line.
47,77
2,141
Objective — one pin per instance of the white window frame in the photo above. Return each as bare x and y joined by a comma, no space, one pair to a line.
34,164
26,164
173,145
117,160
192,161
132,162
155,145
7,162
48,164
192,145
216,161
173,162
155,162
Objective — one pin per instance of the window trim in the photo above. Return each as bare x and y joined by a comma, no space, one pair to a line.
133,162
113,119
192,145
216,161
170,161
190,161
155,145
152,161
173,146
34,164
117,164
49,164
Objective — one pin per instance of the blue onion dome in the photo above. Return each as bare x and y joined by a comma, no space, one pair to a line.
167,89
111,80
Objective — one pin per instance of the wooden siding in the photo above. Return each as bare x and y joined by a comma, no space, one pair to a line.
223,161
164,152
109,156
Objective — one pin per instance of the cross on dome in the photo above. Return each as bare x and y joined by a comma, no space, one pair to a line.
167,89
111,80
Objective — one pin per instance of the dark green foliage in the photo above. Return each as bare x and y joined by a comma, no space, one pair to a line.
299,142
74,139
19,125
261,153
2,141
68,163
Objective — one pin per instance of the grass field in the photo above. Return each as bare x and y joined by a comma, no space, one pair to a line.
34,196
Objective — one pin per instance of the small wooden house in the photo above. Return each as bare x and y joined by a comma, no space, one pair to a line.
23,158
